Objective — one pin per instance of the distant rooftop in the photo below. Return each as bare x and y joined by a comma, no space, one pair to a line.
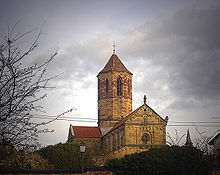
87,132
211,141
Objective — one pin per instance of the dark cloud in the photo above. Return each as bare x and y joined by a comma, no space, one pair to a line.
184,54
196,62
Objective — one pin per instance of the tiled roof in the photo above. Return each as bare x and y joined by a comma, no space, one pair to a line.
87,131
114,64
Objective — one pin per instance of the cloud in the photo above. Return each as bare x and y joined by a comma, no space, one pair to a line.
174,59
179,55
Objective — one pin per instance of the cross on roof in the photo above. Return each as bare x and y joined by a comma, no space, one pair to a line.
114,47
145,99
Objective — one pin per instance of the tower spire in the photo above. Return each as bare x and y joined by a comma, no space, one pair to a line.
114,47
188,139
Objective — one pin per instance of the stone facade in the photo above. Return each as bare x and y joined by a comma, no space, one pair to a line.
93,145
113,107
123,131
141,130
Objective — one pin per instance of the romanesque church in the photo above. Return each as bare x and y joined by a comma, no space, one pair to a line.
120,130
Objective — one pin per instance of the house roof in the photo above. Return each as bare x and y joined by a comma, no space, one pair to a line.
86,132
114,64
211,141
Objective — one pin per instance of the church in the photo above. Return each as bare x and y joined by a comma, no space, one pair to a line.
120,129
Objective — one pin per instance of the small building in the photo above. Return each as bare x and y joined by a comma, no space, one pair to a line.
89,135
215,141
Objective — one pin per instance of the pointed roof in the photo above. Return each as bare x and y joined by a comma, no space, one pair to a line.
211,141
114,64
188,139
86,132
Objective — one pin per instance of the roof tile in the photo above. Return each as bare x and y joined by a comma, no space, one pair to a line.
114,64
87,131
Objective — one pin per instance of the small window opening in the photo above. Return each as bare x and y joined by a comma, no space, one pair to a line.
119,86
106,85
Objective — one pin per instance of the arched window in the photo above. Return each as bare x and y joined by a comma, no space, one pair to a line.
106,144
128,86
119,86
114,141
118,141
106,83
122,140
98,89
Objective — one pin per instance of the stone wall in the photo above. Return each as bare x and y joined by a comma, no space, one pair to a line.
112,107
142,130
93,145
114,140
145,122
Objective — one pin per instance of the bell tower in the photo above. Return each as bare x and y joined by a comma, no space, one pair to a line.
114,93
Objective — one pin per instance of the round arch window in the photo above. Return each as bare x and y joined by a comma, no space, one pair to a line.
145,138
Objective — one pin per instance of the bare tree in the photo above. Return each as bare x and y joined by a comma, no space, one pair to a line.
201,142
21,89
175,140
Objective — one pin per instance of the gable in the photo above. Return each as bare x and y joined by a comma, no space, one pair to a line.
144,114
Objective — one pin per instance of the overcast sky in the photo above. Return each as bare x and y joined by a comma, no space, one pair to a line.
172,47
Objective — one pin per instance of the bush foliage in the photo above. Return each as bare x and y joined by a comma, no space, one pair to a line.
10,158
168,160
64,156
